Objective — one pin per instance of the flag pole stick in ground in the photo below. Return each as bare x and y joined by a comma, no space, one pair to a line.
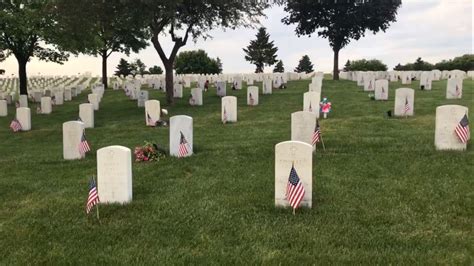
97,205
322,142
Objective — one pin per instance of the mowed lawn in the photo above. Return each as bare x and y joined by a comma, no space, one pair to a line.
382,193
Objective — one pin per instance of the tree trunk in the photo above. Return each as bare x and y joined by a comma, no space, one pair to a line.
335,74
22,76
169,81
104,69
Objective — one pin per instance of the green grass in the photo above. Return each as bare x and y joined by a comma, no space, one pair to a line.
382,193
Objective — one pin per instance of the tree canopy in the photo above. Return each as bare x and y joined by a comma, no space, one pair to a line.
197,62
340,21
261,51
279,67
304,65
365,65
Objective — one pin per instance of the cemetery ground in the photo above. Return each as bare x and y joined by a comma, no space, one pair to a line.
381,192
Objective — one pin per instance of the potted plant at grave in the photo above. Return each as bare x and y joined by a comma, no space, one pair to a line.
149,152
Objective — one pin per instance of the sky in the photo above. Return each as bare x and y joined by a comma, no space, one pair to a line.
431,29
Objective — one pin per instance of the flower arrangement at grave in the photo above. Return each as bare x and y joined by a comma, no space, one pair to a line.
325,106
149,152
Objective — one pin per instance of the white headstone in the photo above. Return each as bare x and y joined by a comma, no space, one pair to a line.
3,108
114,174
196,97
311,101
425,80
86,113
178,91
142,98
302,126
23,100
454,88
404,102
23,115
94,100
152,109
369,83
447,118
229,109
58,98
267,86
221,88
181,124
406,77
252,95
381,89
46,107
67,95
72,135
299,155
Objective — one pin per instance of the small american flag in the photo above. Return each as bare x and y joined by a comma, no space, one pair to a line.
251,100
310,108
93,197
316,133
462,130
84,145
15,125
407,106
224,119
458,91
370,85
295,189
183,146
149,121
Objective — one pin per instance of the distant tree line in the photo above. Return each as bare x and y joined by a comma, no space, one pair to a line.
137,67
464,62
365,65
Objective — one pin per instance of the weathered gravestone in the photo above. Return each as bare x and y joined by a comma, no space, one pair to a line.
406,77
86,114
23,101
114,174
454,88
295,154
37,96
303,125
252,95
3,108
381,89
181,136
311,101
425,81
142,98
267,86
238,82
404,102
221,88
152,112
23,115
229,109
178,91
94,100
46,107
447,119
196,96
369,83
67,95
58,98
72,135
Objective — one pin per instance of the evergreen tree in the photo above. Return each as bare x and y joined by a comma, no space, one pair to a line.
279,67
304,65
123,68
347,66
139,67
261,51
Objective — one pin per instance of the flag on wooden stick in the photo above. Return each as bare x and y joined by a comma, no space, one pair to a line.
462,130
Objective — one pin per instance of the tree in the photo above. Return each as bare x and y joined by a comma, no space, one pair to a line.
100,28
465,63
304,65
155,70
261,51
139,67
197,62
123,68
279,67
365,65
422,65
193,19
347,66
2,58
340,21
24,25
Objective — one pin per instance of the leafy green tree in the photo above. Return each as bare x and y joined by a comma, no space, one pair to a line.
100,28
2,58
422,65
340,21
365,65
192,19
464,62
123,68
304,65
261,51
139,67
155,70
197,62
24,27
279,67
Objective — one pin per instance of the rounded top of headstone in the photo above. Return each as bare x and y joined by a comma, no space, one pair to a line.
113,148
229,97
180,117
294,142
450,106
86,104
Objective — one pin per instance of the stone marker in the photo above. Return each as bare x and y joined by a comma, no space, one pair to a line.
369,83
142,98
252,95
114,174
46,107
86,113
196,97
178,91
58,98
299,155
447,118
23,100
425,81
37,96
302,126
181,124
67,95
152,109
454,88
311,101
3,108
238,82
404,97
72,134
406,77
23,115
94,100
221,88
381,90
315,86
267,86
229,109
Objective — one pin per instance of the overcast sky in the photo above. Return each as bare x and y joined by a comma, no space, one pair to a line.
431,29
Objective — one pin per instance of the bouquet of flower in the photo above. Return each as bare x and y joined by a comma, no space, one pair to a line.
149,152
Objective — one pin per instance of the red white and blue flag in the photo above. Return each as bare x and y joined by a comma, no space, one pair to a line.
15,125
462,130
84,145
183,149
316,134
295,189
93,197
